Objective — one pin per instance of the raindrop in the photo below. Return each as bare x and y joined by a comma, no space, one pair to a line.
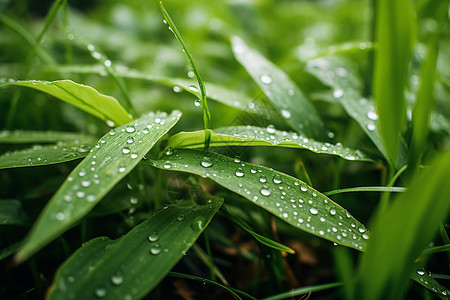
365,236
303,188
117,278
80,194
270,129
130,140
206,162
277,179
169,151
371,127
332,211
420,272
191,74
100,292
130,129
155,249
197,102
134,155
176,89
126,150
237,159
262,179
167,165
253,170
60,216
266,79
180,218
85,183
313,211
239,172
153,237
198,224
122,169
372,115
286,114
67,198
361,229
107,63
338,93
81,173
265,191
90,198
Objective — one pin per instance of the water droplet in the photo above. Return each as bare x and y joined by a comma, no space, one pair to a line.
332,211
80,194
303,188
176,89
126,150
286,114
371,127
133,155
270,129
167,165
180,218
420,272
266,79
365,236
206,162
285,215
81,173
85,183
130,129
277,179
60,216
239,172
338,93
153,237
313,211
130,140
155,249
107,63
100,292
372,115
262,179
117,278
361,229
198,224
197,102
67,198
90,198
265,191
191,74
122,169
169,151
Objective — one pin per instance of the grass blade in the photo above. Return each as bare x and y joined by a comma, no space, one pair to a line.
41,155
393,34
401,234
257,136
115,155
131,266
284,196
303,290
11,213
84,97
285,96
26,136
204,101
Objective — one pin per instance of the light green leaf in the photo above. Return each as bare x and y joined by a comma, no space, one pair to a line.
303,291
131,266
84,97
401,233
26,136
41,155
257,136
284,196
394,23
285,96
114,156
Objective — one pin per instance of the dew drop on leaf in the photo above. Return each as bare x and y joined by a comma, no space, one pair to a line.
270,129
100,292
153,237
117,278
206,162
313,211
239,172
265,191
130,129
266,79
286,114
155,249
126,150
277,179
262,179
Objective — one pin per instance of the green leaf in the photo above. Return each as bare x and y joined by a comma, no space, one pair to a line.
131,266
114,156
285,96
401,233
284,196
257,136
303,291
84,97
394,34
26,136
423,278
41,155
11,213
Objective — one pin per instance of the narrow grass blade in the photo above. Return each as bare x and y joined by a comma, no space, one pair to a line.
423,278
25,136
284,196
391,189
131,266
115,155
8,251
285,96
257,136
394,35
11,213
303,290
204,101
82,96
41,155
401,234
336,74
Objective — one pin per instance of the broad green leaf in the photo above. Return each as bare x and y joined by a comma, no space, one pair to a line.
84,97
131,266
112,158
401,233
41,155
394,22
11,213
285,96
336,74
257,136
26,136
284,196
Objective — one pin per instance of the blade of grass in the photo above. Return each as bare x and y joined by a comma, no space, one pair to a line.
403,232
257,136
206,259
41,155
115,155
82,96
303,290
12,213
30,136
394,36
284,196
131,266
206,113
393,189
285,96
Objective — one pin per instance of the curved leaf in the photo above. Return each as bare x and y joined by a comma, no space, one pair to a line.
84,97
284,196
285,96
131,266
115,155
26,136
41,155
257,136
